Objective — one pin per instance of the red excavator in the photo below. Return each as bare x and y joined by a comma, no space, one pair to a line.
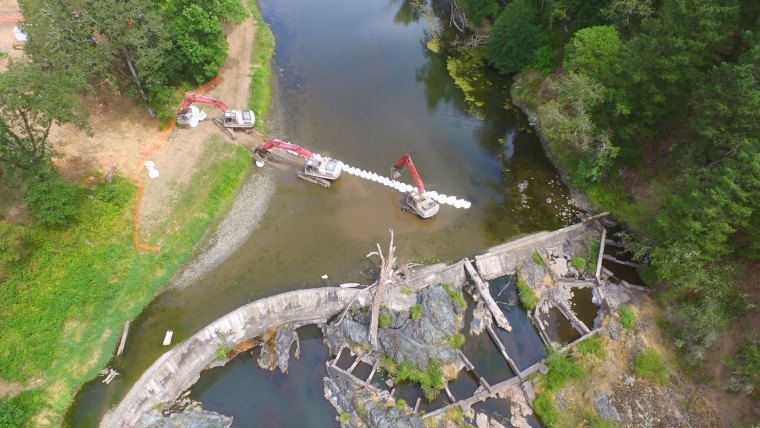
416,201
317,169
231,119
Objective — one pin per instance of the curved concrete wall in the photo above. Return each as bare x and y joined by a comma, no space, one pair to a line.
180,368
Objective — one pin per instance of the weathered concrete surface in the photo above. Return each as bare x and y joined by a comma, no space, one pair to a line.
180,368
504,259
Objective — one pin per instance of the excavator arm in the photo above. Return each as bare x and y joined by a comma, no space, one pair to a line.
192,97
288,147
407,161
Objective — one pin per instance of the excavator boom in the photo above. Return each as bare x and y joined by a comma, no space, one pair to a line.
416,202
192,97
317,169
407,161
284,145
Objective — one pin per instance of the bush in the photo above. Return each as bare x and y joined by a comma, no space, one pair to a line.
579,263
431,381
222,352
401,404
544,407
561,369
627,317
457,341
344,418
384,320
746,367
416,312
455,295
53,202
455,414
650,365
527,298
592,346
648,275
16,411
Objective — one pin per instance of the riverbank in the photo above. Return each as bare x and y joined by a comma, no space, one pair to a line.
62,309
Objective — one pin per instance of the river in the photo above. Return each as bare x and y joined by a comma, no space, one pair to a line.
354,80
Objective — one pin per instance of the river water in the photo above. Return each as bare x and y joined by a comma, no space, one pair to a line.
355,81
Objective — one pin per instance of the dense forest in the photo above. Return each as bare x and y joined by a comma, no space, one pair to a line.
652,108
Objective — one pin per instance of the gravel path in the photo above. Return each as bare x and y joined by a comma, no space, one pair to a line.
246,213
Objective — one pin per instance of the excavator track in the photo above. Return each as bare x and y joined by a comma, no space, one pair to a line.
321,181
223,128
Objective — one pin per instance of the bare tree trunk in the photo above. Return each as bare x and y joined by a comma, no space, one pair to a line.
385,280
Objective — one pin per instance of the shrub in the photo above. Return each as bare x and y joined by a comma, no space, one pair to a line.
222,352
406,291
537,258
401,404
627,317
16,411
648,275
561,369
746,367
457,340
650,365
455,414
455,295
592,346
384,320
416,312
579,263
344,418
544,407
431,380
527,298
53,202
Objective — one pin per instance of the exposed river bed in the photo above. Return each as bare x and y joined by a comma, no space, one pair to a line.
355,81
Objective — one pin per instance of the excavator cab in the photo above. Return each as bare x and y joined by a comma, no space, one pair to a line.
417,201
423,206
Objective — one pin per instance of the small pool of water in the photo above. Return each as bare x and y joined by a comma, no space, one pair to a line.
362,371
498,409
626,273
408,392
559,328
482,351
346,360
465,385
257,397
583,306
523,343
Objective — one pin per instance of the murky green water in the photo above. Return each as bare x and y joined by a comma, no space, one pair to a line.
355,81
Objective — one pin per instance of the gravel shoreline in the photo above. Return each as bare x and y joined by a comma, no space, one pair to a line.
249,208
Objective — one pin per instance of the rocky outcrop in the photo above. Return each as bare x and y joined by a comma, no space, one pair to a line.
366,407
185,413
276,351
405,339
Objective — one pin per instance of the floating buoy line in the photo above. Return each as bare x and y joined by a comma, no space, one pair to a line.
400,186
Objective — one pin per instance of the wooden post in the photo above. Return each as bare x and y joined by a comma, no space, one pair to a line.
503,351
601,254
498,315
